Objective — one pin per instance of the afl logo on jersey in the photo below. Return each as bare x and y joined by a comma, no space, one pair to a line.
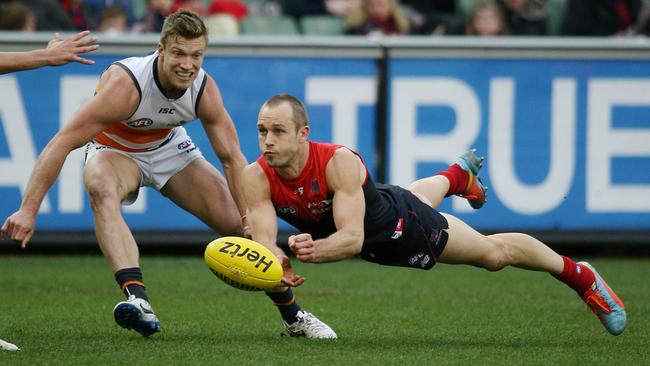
142,122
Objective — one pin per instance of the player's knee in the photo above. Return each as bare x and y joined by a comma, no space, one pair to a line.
100,196
100,191
500,257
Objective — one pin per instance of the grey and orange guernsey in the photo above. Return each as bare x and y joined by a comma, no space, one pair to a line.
157,118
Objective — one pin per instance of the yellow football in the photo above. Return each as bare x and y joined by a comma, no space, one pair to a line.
243,263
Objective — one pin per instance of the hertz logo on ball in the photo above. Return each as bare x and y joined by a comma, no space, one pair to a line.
243,263
236,250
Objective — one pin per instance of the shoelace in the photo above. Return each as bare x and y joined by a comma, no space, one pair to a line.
595,301
312,322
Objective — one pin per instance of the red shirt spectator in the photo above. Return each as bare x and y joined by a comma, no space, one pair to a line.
235,8
77,13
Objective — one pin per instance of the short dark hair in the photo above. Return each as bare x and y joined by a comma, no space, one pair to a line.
300,117
183,23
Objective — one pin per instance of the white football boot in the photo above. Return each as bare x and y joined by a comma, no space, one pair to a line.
6,346
135,313
308,326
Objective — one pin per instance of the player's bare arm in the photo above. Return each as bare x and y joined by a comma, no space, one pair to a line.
224,140
58,52
116,100
262,218
345,176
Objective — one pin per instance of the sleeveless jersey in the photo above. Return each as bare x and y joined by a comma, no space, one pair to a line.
156,118
306,201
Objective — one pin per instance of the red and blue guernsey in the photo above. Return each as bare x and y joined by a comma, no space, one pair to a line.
306,201
399,229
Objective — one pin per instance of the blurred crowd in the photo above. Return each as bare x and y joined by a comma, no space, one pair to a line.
329,17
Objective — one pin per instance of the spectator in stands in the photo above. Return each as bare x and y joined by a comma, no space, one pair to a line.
643,22
525,17
196,6
113,20
78,14
377,17
236,8
339,8
48,13
434,17
486,19
94,9
221,25
299,8
342,8
600,17
224,17
17,16
157,10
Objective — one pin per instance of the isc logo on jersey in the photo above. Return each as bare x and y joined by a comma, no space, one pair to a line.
166,110
243,263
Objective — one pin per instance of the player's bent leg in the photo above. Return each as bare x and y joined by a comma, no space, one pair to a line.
200,189
109,177
430,190
461,179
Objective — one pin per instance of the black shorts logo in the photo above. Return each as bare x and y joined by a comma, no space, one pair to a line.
399,229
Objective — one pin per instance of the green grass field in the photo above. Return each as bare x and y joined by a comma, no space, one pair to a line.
59,311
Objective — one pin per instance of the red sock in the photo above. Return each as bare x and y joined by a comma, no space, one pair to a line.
458,179
577,276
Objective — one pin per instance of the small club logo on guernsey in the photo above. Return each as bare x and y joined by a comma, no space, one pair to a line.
185,144
314,186
398,229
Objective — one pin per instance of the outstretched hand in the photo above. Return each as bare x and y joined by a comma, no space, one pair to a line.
19,227
60,51
289,278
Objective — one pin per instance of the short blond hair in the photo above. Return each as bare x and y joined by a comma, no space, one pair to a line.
183,23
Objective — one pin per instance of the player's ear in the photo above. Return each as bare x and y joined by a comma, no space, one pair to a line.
160,48
303,133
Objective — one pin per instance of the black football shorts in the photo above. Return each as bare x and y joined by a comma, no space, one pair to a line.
415,239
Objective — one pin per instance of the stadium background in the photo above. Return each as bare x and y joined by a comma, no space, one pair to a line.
562,122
